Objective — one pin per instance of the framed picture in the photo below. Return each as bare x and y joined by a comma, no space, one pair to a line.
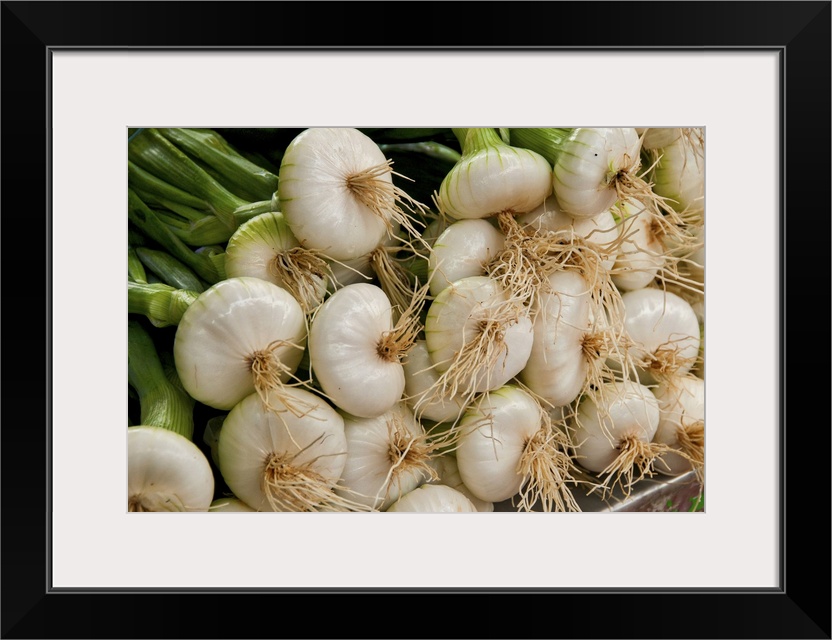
78,76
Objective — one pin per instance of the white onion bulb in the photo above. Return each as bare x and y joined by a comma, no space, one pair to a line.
476,336
464,249
275,460
239,336
557,367
507,446
613,430
594,166
264,247
664,331
387,457
166,472
492,176
350,351
336,191
433,498
682,423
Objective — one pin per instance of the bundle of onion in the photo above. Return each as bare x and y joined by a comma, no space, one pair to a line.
508,447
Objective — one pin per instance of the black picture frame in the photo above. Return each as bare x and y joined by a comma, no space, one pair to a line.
799,31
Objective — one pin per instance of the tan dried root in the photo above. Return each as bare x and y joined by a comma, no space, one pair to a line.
268,372
634,462
396,343
525,263
550,469
409,454
301,270
386,200
598,347
532,255
473,363
691,439
630,184
668,230
393,278
292,486
666,361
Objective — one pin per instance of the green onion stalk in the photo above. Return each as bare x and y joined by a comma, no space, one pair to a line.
162,403
548,142
169,270
135,268
197,185
160,303
230,168
208,265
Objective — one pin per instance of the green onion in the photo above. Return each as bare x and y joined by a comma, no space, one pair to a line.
160,303
237,174
170,270
135,268
547,142
154,153
143,217
162,403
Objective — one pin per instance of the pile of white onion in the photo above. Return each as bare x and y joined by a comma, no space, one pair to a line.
554,349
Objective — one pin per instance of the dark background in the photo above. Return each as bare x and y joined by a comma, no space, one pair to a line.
799,609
